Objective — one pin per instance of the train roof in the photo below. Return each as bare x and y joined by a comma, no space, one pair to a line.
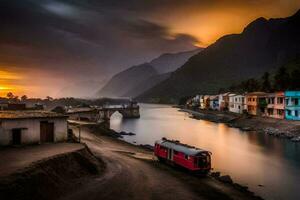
177,146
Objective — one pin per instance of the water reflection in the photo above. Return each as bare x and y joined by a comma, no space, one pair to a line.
250,158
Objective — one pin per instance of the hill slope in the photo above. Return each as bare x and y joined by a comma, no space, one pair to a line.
262,46
124,81
169,62
136,80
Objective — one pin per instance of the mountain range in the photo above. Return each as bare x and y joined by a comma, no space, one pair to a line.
138,79
264,45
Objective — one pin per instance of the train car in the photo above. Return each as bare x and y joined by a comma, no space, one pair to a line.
189,157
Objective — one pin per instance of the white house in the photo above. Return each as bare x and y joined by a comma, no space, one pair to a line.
237,103
32,127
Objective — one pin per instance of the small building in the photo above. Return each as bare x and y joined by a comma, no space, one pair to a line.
214,102
205,102
237,103
83,114
31,127
292,105
275,105
224,101
256,103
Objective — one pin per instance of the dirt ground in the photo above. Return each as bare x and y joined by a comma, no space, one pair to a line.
133,173
14,159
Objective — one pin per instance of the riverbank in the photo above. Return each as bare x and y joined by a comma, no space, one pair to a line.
141,161
275,127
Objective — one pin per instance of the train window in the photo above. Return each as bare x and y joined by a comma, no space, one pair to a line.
175,152
186,157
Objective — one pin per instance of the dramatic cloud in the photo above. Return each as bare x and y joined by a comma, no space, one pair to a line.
55,43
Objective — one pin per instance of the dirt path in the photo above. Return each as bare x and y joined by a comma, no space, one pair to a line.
131,173
13,159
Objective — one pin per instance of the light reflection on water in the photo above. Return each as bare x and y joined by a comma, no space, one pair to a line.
251,158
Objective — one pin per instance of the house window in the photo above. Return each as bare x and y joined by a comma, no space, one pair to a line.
296,101
296,113
279,100
289,112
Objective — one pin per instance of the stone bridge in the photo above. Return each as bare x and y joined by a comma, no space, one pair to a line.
126,112
103,113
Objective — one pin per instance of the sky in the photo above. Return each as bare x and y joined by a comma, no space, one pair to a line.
49,47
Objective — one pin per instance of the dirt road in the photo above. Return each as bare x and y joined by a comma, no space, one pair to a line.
131,173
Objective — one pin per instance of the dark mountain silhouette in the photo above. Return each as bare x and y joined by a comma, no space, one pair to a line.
262,46
136,80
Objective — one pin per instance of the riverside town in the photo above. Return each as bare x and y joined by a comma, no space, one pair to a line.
149,100
279,105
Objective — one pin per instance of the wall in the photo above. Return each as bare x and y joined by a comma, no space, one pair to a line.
31,132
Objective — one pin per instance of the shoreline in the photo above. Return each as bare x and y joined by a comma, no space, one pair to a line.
274,127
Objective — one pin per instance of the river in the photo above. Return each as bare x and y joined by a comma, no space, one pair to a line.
269,166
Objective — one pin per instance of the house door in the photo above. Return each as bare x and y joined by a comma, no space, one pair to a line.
46,132
170,154
16,136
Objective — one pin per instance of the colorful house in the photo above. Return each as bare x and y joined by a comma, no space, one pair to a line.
214,102
256,103
292,105
224,101
275,105
237,103
204,102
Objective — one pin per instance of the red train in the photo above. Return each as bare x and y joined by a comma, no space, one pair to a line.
191,158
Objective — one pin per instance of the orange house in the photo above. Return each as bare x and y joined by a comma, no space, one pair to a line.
255,102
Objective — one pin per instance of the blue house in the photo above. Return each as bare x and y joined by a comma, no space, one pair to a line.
292,105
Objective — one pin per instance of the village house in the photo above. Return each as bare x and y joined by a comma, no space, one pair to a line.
205,102
237,103
275,105
292,105
31,127
214,102
256,103
224,101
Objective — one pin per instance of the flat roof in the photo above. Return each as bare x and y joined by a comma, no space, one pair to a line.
26,114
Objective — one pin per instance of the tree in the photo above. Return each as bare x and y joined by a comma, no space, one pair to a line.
295,80
266,84
282,79
10,95
49,98
24,98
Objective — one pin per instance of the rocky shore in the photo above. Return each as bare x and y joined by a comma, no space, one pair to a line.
275,127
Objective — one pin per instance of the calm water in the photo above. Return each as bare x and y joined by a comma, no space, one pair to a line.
250,158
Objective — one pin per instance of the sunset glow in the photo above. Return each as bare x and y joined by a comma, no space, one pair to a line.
64,43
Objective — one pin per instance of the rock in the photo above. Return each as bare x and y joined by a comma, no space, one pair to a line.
296,139
225,179
147,146
215,174
125,133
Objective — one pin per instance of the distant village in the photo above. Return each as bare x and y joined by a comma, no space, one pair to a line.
279,105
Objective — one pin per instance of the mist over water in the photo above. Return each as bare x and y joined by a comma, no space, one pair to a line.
250,158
